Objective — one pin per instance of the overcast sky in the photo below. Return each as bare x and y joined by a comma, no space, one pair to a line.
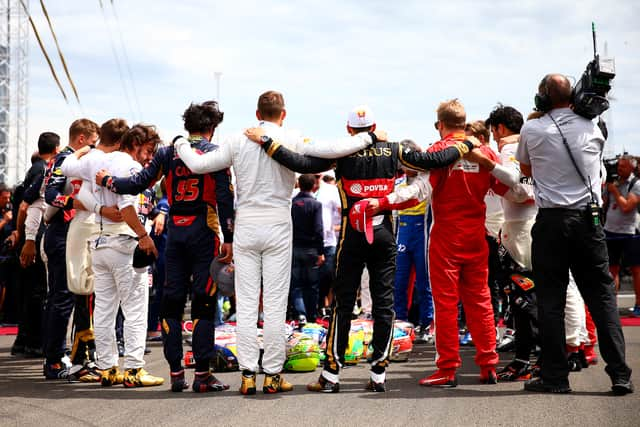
400,58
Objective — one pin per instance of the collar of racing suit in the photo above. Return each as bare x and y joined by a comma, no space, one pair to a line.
455,136
266,124
196,139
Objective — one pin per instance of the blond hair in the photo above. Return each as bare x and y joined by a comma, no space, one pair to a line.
452,115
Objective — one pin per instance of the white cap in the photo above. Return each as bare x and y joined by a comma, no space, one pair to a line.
361,117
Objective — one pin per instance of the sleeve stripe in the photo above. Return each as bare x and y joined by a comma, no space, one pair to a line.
273,148
405,163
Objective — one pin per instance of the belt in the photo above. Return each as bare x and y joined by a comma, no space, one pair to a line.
562,211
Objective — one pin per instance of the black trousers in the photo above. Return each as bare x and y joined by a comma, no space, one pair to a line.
494,274
33,289
566,240
305,282
525,320
60,302
353,254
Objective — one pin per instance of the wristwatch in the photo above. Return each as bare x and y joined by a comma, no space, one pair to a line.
265,139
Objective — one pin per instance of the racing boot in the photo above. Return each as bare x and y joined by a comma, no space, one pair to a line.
508,341
516,370
465,337
56,371
248,386
111,376
275,383
424,334
87,373
444,378
325,385
205,382
488,375
535,369
573,359
376,382
138,377
178,382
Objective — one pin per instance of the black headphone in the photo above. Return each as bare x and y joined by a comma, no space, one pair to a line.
543,101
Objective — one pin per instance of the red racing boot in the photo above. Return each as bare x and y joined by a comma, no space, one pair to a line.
488,375
445,378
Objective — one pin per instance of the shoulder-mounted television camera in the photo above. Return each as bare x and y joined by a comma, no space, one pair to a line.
611,166
590,92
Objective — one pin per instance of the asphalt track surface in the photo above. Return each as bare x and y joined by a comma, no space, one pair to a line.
26,399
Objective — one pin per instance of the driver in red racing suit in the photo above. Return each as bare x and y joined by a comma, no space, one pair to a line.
458,251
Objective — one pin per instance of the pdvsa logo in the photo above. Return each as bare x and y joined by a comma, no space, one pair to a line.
356,188
376,187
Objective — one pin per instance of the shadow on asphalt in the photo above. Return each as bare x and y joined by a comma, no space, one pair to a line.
20,377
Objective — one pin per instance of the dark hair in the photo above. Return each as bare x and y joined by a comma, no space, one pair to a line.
112,131
48,142
328,179
138,135
203,117
4,188
84,127
306,182
270,105
507,116
35,156
360,130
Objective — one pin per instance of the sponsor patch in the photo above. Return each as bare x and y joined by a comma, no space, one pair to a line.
466,166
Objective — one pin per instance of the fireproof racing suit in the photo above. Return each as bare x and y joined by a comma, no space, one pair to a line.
263,234
370,172
458,254
199,206
411,253
60,301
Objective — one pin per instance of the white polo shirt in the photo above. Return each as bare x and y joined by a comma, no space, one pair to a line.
557,184
329,196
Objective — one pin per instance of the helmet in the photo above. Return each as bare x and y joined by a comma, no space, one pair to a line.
315,331
408,327
223,359
401,346
303,353
223,275
355,349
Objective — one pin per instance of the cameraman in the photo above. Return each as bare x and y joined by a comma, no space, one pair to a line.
562,152
623,240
